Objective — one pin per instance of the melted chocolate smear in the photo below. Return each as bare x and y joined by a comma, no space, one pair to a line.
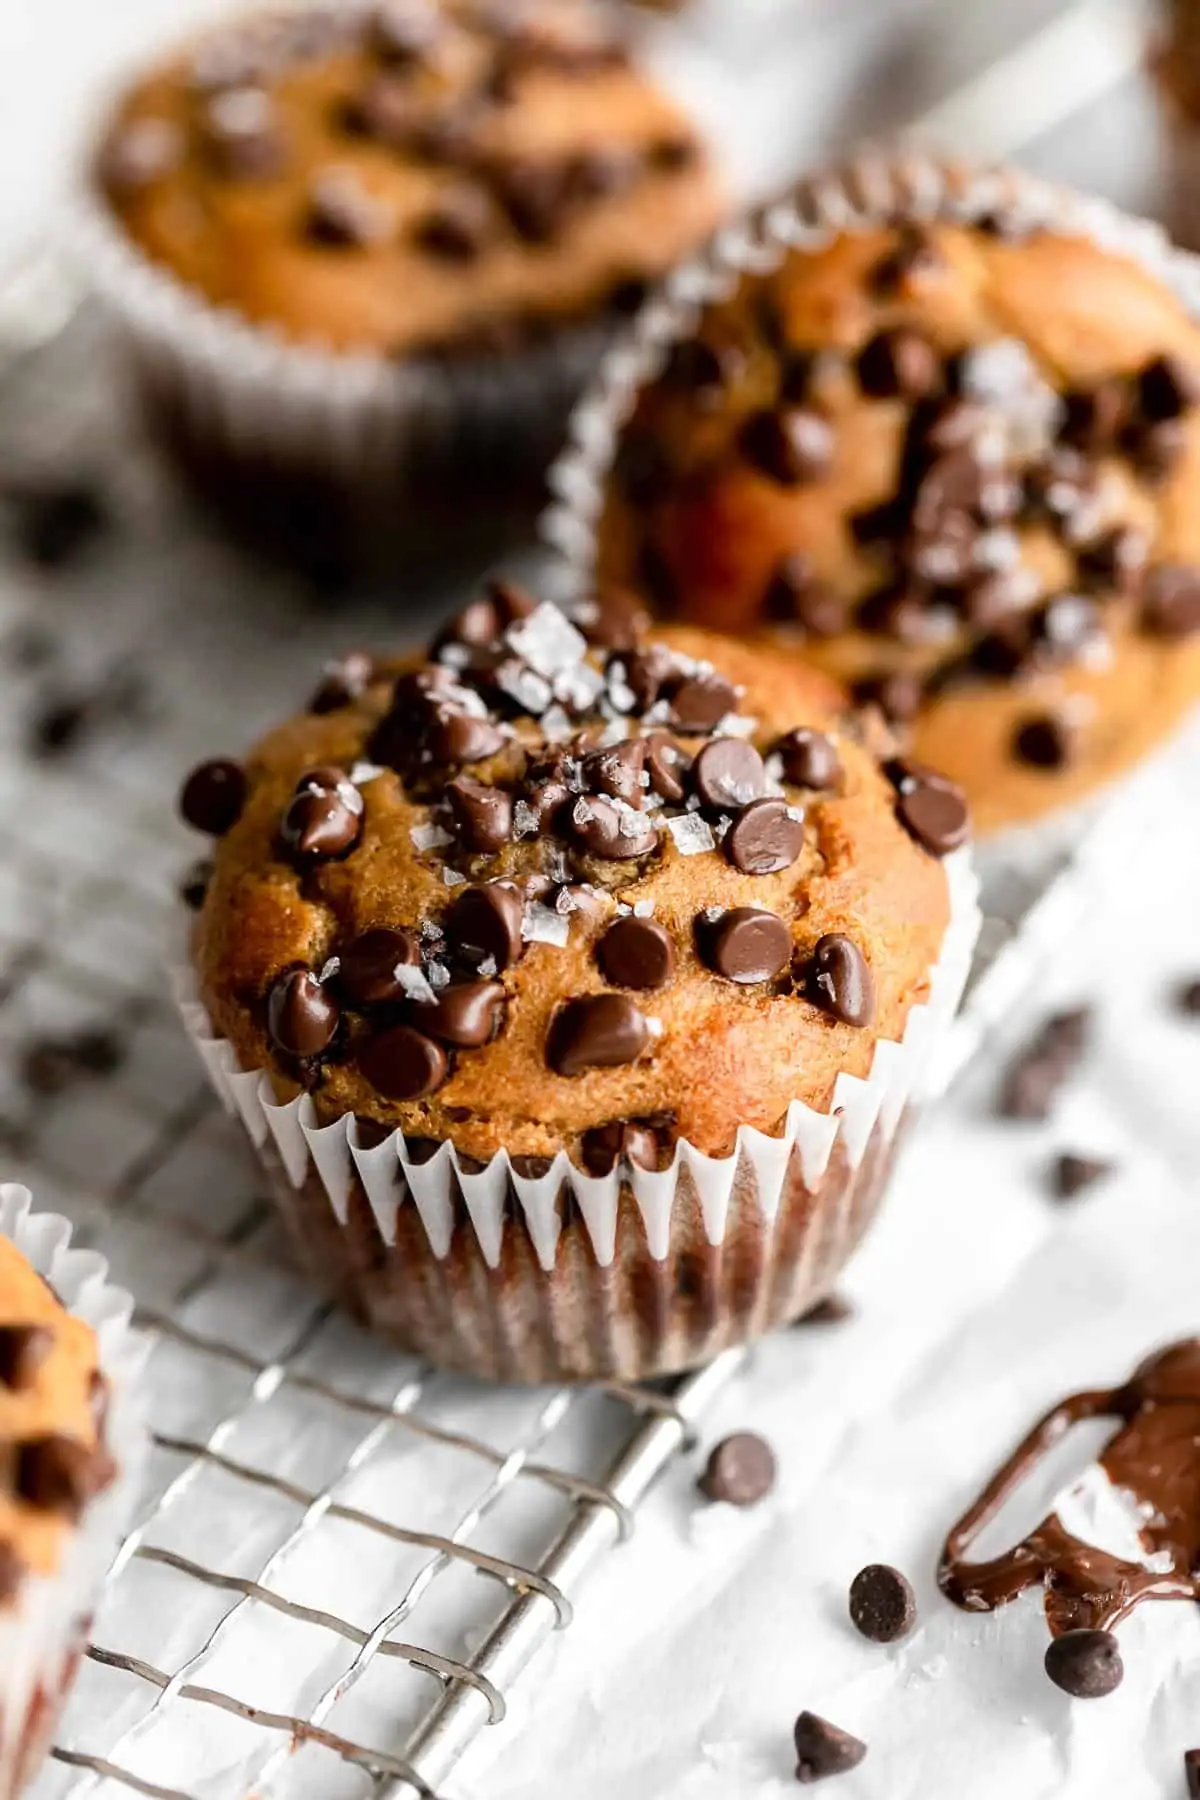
1154,1454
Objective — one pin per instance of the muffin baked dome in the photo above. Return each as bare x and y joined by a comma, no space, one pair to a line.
955,456
530,894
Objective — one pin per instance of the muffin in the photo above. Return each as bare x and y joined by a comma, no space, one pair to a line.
73,1448
942,435
357,244
573,992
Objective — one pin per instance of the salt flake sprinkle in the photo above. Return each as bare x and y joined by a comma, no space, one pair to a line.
547,641
643,909
429,837
692,834
414,983
362,772
542,925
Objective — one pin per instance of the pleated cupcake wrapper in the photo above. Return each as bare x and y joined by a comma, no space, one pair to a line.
388,1175
43,1628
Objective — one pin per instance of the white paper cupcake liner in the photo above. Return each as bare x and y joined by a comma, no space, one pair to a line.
44,1628
869,190
336,1162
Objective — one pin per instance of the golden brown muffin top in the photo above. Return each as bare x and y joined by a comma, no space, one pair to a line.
51,1411
534,895
942,457
417,174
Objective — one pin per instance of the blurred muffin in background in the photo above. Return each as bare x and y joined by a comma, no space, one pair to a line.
351,247
951,451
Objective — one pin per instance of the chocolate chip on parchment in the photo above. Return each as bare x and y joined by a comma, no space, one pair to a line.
403,1064
23,1350
1191,1773
213,796
464,1014
367,966
636,953
302,1016
823,1749
792,446
342,682
840,980
764,838
882,1604
746,945
1043,742
740,1470
1085,1663
486,922
482,814
728,773
931,807
51,1063
1070,1173
1036,1074
624,1140
600,1031
55,1474
1187,998
809,759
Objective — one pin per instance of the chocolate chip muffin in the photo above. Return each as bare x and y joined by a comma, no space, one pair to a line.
420,214
943,436
588,979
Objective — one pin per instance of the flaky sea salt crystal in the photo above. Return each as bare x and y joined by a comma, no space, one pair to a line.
362,772
643,909
431,931
413,982
692,834
452,878
564,901
620,693
454,656
693,803
581,812
580,687
429,837
525,820
543,925
722,826
736,725
530,690
487,967
711,914
796,814
332,965
556,726
654,1027
547,640
439,976
615,732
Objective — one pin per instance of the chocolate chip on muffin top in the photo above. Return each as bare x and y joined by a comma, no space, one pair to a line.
525,890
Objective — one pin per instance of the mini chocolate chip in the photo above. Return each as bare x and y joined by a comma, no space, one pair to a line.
672,155
367,966
728,773
1191,1773
13,1570
1071,1174
23,1350
1116,560
823,1749
746,944
882,1604
1155,449
840,980
486,922
636,953
213,797
342,215
457,226
992,599
482,814
809,759
900,610
898,695
1187,998
792,446
1093,419
617,771
138,153
931,807
667,763
56,1474
536,198
699,702
403,1064
343,682
1167,387
465,1014
302,1016
1086,1664
1035,1076
50,1064
1172,604
606,829
601,1031
1043,742
615,619
460,737
740,1470
899,364
764,838
625,1140
242,134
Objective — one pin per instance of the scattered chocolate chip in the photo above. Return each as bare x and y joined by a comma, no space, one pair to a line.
23,1350
242,134
902,610
617,771
213,797
899,364
898,695
931,807
764,838
457,226
1155,449
636,953
193,889
1044,742
387,110
1071,1174
486,922
728,773
403,1064
700,702
461,737
882,1604
792,446
302,1016
1172,603
672,155
993,599
1086,1664
823,1749
55,1474
615,619
611,831
745,944
1167,388
367,966
625,1140
914,256
1116,560
740,1470
809,760
601,1031
13,1570
343,215
343,682
482,815
1191,1773
794,596
666,764
840,980
1187,998
50,1064
465,1014
702,369
324,817
833,1310
1035,1076
537,198
1094,419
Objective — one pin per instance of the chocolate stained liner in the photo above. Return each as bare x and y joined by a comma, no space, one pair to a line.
872,189
571,1276
44,1628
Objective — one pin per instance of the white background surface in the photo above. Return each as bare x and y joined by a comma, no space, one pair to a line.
980,1301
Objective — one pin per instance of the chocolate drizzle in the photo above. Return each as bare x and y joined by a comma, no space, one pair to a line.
1154,1456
